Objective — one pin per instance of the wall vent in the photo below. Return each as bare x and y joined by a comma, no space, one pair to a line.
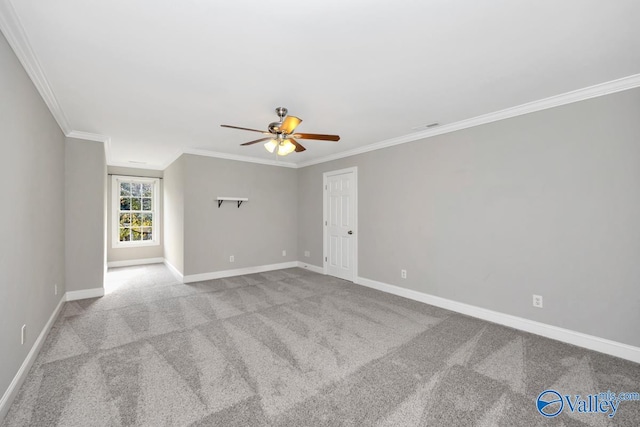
427,126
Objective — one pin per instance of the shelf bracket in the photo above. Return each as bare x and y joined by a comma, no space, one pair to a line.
239,200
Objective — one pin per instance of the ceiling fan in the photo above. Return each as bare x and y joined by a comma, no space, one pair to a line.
281,134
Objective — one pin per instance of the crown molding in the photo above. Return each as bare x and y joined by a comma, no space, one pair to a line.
207,153
89,136
17,37
594,91
146,166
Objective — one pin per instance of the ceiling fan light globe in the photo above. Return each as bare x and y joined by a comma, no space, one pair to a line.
271,145
286,147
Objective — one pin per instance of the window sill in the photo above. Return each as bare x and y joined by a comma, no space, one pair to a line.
120,245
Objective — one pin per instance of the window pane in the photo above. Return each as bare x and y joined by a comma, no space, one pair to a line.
147,220
125,219
125,189
125,204
136,234
136,212
125,234
146,233
136,204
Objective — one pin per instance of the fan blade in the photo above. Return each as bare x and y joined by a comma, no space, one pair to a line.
290,124
252,130
299,147
256,141
317,136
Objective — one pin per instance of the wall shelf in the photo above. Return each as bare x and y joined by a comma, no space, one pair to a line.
231,199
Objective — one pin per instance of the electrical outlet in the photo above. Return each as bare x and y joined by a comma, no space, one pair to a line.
307,254
232,258
537,301
23,334
284,253
55,289
403,274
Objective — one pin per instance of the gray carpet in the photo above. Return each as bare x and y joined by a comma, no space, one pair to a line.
294,348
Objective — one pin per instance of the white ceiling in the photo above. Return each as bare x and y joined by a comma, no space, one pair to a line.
159,77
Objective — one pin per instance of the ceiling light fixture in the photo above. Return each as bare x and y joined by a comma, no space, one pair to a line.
271,145
281,134
284,146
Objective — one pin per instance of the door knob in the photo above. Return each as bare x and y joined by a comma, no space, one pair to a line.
349,232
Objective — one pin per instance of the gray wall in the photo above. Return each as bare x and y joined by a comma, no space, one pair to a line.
32,214
546,203
126,254
173,214
85,175
256,233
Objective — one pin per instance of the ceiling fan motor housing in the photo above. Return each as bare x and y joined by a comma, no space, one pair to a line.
274,127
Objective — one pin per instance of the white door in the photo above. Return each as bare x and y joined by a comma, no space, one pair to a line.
340,245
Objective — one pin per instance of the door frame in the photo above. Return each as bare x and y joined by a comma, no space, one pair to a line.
325,218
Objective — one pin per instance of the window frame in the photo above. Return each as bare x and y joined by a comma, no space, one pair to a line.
115,211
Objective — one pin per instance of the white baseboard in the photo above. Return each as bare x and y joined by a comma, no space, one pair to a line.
21,375
237,272
311,267
579,339
174,270
84,294
132,262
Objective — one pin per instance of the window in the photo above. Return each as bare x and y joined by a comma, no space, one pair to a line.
135,211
